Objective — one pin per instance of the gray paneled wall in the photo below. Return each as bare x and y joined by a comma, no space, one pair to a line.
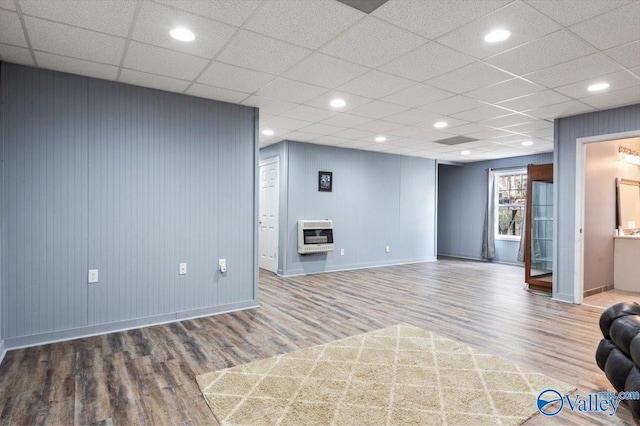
377,200
567,131
462,197
130,181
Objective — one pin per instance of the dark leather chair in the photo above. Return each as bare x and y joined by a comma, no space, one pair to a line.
618,353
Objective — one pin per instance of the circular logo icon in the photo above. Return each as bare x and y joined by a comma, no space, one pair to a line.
550,402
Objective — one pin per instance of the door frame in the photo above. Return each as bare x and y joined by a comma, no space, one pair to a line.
266,162
581,155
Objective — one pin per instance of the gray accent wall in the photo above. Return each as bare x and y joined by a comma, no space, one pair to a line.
567,131
130,181
377,200
462,198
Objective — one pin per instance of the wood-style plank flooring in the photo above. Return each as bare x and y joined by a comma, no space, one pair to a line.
147,376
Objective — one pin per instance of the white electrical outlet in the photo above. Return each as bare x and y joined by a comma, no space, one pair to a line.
222,265
93,276
387,249
341,252
183,269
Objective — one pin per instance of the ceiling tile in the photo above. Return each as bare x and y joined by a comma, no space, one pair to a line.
156,21
157,60
536,100
261,53
536,55
107,16
235,78
288,123
307,23
469,77
16,55
377,109
11,29
636,71
268,105
217,93
412,117
569,12
597,31
417,95
627,54
264,118
323,70
376,84
489,134
564,109
542,133
617,81
76,66
575,70
300,136
614,99
75,42
7,4
355,134
324,101
432,18
505,90
427,61
346,120
451,122
452,105
408,132
467,129
530,127
377,126
372,42
507,120
291,90
322,129
524,22
306,113
355,144
482,113
233,12
330,140
153,81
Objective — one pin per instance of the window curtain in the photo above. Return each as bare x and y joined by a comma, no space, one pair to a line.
523,232
488,235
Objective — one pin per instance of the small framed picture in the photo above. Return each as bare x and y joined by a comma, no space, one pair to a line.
325,181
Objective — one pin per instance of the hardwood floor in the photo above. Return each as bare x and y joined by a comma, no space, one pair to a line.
148,375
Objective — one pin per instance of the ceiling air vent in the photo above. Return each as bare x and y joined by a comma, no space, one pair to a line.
456,140
366,6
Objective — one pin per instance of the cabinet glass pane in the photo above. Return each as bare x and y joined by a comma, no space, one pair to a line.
541,228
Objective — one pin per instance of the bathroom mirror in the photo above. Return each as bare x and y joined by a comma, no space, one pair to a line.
628,192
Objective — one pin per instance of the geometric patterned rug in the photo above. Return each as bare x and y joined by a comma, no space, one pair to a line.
397,375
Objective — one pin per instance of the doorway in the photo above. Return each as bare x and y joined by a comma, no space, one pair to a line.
268,214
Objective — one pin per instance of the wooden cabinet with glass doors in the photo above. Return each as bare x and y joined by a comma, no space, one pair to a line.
539,228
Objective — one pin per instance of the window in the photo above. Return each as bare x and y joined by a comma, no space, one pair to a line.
511,194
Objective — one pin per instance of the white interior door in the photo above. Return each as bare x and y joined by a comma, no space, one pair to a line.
268,215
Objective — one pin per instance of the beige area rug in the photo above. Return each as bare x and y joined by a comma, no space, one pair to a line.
397,375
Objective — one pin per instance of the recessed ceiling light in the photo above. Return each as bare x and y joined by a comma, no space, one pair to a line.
338,103
527,143
598,87
182,34
380,138
497,35
465,152
267,132
440,124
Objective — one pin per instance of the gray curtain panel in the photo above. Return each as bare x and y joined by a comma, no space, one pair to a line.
488,235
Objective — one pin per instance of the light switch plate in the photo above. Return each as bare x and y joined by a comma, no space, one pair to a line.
93,276
183,269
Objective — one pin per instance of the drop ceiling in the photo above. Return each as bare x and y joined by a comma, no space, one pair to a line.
400,69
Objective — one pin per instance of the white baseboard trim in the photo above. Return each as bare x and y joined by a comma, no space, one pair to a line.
355,268
3,351
97,330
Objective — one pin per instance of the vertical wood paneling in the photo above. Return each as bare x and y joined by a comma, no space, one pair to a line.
127,180
373,193
567,131
462,198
